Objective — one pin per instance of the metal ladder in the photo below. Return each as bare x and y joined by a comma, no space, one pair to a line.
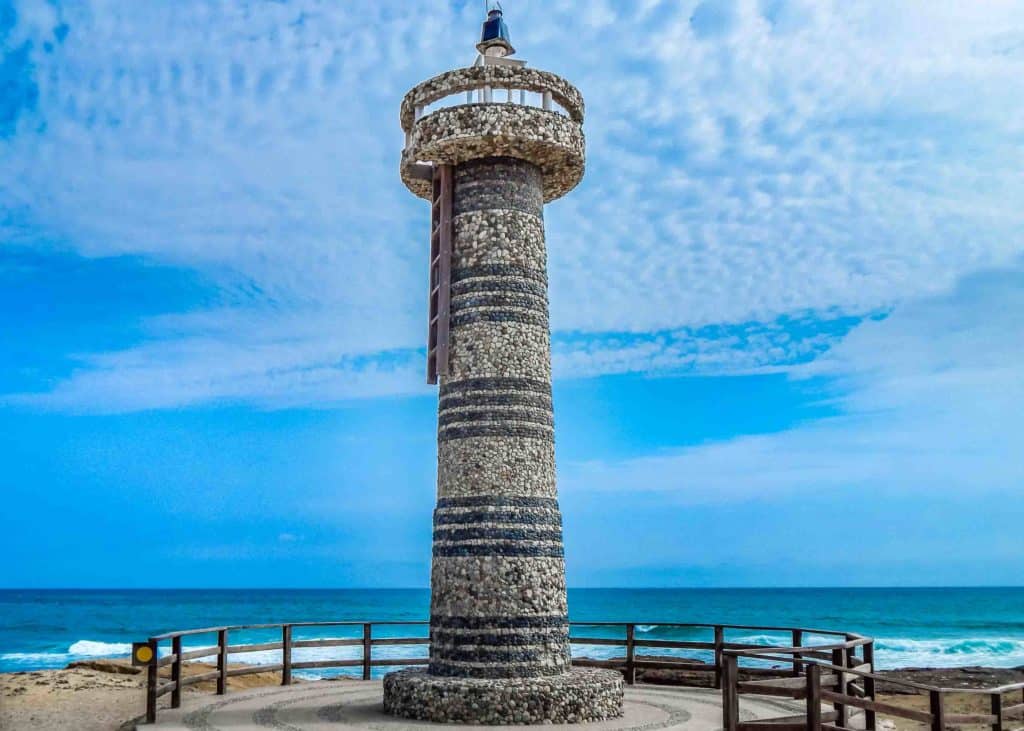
440,271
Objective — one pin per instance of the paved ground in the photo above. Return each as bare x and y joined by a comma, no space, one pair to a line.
342,705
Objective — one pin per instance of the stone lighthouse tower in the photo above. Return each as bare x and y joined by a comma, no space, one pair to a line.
488,146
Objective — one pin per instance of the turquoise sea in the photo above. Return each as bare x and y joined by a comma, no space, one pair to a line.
913,627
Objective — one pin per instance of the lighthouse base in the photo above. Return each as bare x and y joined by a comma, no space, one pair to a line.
580,695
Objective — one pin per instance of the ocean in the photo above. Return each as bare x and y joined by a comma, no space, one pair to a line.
912,627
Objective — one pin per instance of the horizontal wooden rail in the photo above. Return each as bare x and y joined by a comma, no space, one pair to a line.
597,641
242,649
326,643
678,644
311,664
202,677
401,641
877,706
202,652
233,672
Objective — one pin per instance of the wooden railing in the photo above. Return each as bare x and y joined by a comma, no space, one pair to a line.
719,650
836,678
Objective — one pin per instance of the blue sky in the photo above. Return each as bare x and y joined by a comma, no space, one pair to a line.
787,300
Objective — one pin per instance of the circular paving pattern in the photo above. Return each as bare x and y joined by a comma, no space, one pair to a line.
351,705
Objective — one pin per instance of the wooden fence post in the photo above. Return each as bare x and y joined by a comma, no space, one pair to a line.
839,661
176,672
286,654
719,641
152,680
937,709
813,697
869,685
798,641
730,693
997,711
630,655
222,661
367,650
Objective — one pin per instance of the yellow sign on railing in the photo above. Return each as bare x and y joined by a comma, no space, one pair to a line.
142,653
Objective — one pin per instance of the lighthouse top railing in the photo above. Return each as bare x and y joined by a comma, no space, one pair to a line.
494,84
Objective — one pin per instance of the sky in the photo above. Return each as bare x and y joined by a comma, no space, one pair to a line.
787,300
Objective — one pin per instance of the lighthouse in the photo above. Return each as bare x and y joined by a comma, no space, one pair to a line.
488,146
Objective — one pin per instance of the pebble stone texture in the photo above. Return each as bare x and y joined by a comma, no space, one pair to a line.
499,633
341,705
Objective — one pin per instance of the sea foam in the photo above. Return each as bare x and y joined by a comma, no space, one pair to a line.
890,652
90,648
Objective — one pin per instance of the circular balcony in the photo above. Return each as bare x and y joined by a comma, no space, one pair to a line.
506,111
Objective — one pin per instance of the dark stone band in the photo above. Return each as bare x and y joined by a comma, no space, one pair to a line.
510,550
498,516
497,501
453,433
470,317
441,621
499,299
496,534
482,654
504,284
536,400
470,198
455,670
496,384
499,270
497,183
506,415
439,637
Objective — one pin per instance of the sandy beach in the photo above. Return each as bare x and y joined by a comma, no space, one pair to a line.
97,695
108,695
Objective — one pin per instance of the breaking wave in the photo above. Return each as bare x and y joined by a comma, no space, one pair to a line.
890,652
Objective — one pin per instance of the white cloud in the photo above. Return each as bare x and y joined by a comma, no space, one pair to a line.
929,400
784,158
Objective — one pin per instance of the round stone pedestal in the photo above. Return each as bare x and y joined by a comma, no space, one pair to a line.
582,694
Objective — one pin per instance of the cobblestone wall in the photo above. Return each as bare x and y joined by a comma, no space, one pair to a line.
498,602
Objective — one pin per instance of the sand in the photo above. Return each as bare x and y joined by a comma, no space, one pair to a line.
101,695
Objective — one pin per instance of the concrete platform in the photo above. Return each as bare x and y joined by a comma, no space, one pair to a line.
358,705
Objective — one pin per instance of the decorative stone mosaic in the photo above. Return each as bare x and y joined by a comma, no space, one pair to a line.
467,132
499,651
584,694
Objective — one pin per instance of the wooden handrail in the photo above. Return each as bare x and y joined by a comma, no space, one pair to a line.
850,681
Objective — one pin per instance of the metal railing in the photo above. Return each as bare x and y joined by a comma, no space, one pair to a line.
719,650
484,92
